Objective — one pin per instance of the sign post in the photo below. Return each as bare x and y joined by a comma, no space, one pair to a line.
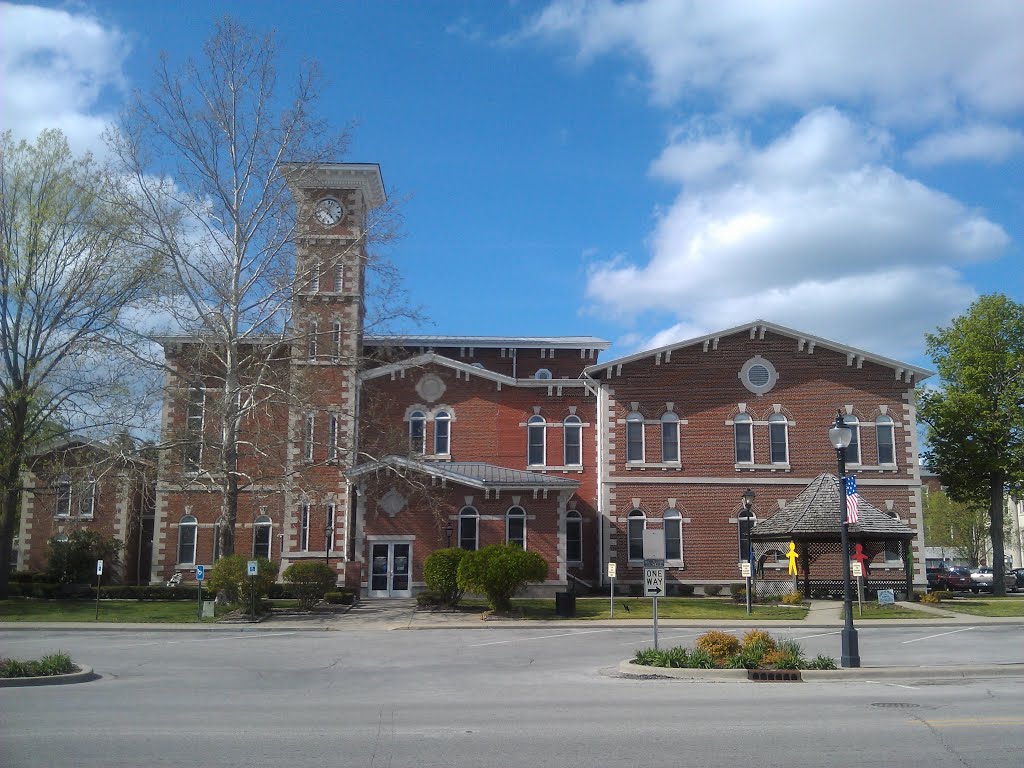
858,570
252,570
654,572
745,573
611,592
99,573
200,575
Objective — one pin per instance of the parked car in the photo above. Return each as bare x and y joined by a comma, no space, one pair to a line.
1018,574
935,579
981,579
956,578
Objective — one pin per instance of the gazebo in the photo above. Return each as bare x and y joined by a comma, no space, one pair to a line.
811,522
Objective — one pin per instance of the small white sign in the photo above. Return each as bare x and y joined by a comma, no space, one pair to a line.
611,570
253,568
745,569
99,567
856,568
654,582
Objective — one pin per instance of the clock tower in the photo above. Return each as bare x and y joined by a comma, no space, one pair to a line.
332,204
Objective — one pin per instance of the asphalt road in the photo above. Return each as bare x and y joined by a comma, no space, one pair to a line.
497,697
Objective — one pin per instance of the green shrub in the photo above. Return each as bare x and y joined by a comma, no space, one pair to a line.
441,575
787,655
700,659
681,590
931,597
821,662
675,657
648,657
499,571
74,561
53,664
310,580
712,590
229,576
719,645
340,597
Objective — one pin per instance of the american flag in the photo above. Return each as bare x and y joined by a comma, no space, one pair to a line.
850,485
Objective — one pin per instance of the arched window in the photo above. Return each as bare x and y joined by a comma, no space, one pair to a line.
573,431
573,537
635,437
339,278
778,438
673,524
635,534
885,440
307,437
311,341
853,449
743,428
62,491
469,529
442,433
417,431
669,438
332,438
304,527
187,540
336,334
536,429
515,526
194,414
261,529
87,498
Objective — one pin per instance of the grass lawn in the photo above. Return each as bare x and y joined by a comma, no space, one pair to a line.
990,606
875,611
130,611
640,608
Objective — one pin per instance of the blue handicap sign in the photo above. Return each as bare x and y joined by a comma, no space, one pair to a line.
200,572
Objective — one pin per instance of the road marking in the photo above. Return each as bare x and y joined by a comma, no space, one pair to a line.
910,687
970,722
540,637
941,634
823,634
647,638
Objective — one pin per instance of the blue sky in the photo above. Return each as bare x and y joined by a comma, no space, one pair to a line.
643,171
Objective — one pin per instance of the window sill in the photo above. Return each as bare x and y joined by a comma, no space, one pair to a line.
553,468
774,467
654,465
876,467
675,564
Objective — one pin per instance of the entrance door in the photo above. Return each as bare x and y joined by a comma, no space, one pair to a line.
390,570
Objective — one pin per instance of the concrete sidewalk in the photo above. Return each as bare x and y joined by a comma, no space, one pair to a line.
387,615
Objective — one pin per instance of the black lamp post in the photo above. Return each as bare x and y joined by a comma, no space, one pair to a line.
745,525
840,435
448,531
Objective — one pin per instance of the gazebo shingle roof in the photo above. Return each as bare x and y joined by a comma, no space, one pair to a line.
814,514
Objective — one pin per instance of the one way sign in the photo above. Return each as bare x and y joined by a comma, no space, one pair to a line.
654,582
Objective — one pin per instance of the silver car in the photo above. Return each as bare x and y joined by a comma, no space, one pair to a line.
981,579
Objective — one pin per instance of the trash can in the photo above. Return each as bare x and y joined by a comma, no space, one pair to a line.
565,604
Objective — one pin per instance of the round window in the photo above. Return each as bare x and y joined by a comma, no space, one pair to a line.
758,375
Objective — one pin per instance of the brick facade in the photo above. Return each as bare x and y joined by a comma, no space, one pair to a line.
451,403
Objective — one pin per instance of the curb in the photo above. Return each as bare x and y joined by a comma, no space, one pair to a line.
83,675
959,672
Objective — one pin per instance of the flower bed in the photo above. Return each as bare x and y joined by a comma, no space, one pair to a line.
720,650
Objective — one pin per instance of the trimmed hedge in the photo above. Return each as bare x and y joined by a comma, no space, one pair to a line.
340,597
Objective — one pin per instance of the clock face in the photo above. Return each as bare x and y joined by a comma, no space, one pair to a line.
328,211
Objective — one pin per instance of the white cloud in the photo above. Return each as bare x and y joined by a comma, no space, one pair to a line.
812,230
910,60
985,143
57,70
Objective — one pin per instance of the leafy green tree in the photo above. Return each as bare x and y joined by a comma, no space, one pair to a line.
230,577
975,422
310,581
957,526
441,574
69,273
499,571
74,561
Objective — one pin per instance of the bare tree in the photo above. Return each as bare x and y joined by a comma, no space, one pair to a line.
209,149
69,277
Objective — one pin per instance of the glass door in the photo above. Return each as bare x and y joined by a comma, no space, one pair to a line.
391,569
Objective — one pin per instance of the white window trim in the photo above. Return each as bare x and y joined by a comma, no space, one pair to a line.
263,521
304,527
308,430
853,423
63,497
673,514
336,333
420,416
643,437
332,439
311,351
339,278
630,517
537,422
195,435
888,424
574,518
468,512
670,417
508,518
187,521
572,422
87,511
778,419
743,418
443,416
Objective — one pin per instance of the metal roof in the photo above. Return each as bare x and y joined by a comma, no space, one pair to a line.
486,342
474,474
814,514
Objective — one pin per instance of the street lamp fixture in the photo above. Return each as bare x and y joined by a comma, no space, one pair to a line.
448,532
840,435
745,524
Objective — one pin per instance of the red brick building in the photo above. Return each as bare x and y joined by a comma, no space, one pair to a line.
398,446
